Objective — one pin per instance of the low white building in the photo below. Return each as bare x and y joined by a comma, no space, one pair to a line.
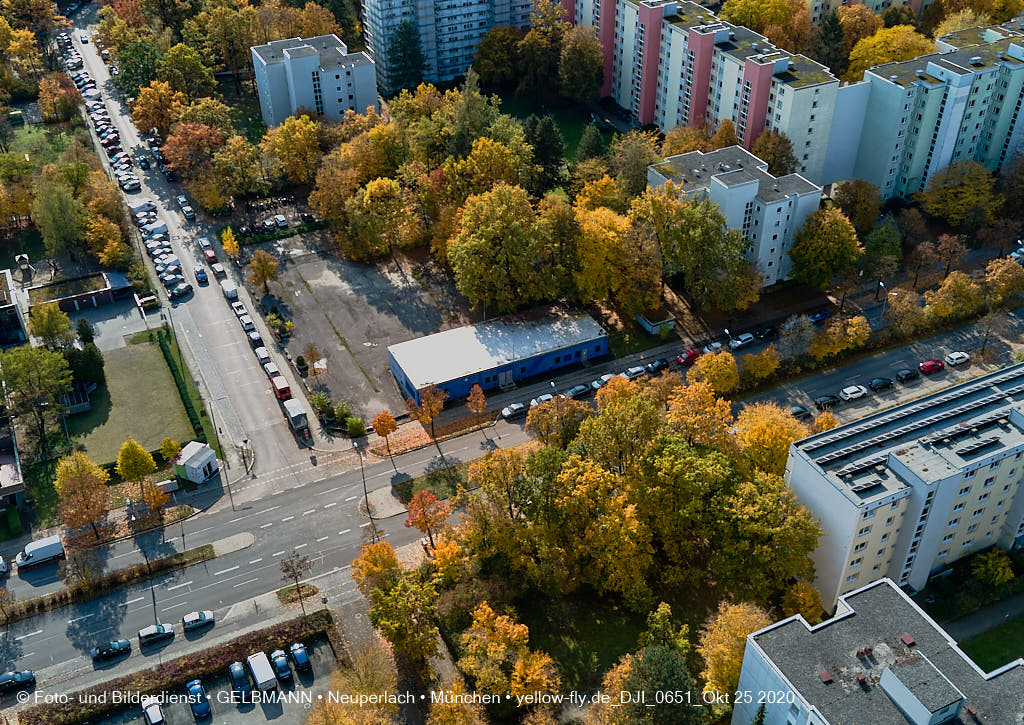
769,210
318,74
196,462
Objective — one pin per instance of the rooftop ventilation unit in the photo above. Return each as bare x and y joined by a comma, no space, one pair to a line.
825,677
908,640
973,448
919,73
893,77
732,35
976,60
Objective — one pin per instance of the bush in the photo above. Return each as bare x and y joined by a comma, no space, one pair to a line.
356,427
183,389
342,411
321,403
14,521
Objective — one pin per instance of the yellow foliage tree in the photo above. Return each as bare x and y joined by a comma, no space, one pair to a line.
229,242
802,598
457,708
157,106
765,432
843,333
957,296
683,139
826,420
760,365
1004,278
959,192
722,641
888,45
377,565
296,146
699,416
719,370
603,192
371,672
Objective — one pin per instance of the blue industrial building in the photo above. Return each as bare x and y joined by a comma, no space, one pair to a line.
495,354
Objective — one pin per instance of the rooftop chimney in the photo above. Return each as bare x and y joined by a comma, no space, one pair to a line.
908,640
826,678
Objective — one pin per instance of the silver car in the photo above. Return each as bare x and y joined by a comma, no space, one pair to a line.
197,620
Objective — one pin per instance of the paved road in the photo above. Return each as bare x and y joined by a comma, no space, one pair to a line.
219,355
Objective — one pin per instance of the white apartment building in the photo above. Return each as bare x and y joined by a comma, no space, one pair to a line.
449,33
880,660
905,492
318,74
769,210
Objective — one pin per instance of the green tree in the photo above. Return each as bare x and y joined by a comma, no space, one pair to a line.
406,56
825,247
134,463
861,202
183,68
548,145
496,255
59,216
883,251
828,44
497,56
138,62
661,632
208,111
237,166
85,331
404,614
379,220
992,568
51,325
591,145
759,718
888,45
898,15
35,378
540,49
581,65
774,148
962,191
658,669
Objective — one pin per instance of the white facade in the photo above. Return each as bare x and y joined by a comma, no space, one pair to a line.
768,210
317,74
906,492
449,33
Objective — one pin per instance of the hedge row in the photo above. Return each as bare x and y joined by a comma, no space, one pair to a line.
14,521
108,582
177,672
183,389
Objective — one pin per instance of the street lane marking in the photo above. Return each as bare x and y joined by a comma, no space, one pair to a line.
78,619
321,493
247,581
266,525
300,546
225,571
288,518
26,636
238,519
342,533
351,498
179,604
277,553
256,561
307,513
131,601
333,503
322,538
363,526
269,509
179,586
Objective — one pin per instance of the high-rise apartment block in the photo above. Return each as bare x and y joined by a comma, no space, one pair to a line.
318,74
449,33
769,210
905,492
879,660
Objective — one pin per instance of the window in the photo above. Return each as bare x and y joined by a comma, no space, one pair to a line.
856,562
959,507
989,481
944,553
966,543
852,578
867,514
953,523
895,504
972,528
885,537
880,554
983,498
970,474
888,521
947,538
977,513
859,547
964,491
865,531
995,464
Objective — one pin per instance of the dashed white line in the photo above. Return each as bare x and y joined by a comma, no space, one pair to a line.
79,619
269,509
300,546
247,581
346,531
277,553
256,561
238,519
332,503
363,526
266,525
307,513
321,493
131,601
287,518
26,636
179,586
351,498
179,604
225,571
322,538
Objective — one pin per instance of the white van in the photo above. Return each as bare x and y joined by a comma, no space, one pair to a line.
262,673
42,551
229,289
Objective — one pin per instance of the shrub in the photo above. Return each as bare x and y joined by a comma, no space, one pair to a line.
356,427
321,403
342,411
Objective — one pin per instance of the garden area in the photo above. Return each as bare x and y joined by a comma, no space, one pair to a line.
973,582
998,646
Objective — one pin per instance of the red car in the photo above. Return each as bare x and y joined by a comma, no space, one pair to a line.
686,358
931,366
211,256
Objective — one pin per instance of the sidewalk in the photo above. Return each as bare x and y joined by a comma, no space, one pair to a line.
987,618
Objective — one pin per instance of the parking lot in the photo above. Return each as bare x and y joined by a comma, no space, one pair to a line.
227,707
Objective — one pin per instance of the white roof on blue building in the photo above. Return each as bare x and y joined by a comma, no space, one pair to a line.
464,351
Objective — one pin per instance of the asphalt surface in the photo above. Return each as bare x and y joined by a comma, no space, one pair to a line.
227,372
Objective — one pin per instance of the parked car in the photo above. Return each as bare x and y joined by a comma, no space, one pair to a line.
155,633
577,391
741,341
824,402
513,411
245,230
182,200
247,323
204,243
601,381
201,276
300,657
210,255
17,680
957,358
766,333
239,308
255,339
262,355
687,357
188,212
281,221
218,270
877,384
928,367
307,218
712,347
633,373
197,700
110,650
798,411
853,392
657,366
171,280
143,162
907,374
151,711
541,399
273,371
239,680
279,662
197,620
820,316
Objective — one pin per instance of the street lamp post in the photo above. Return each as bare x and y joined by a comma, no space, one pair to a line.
366,494
886,301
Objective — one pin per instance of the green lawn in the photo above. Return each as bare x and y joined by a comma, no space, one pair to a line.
998,646
443,484
29,242
571,121
627,342
140,401
585,636
43,144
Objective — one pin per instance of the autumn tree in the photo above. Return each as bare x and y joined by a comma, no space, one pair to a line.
262,269
376,567
381,218
430,406
961,20
1001,233
963,191
755,14
371,671
51,325
803,598
957,296
724,135
134,462
652,670
765,432
699,417
540,49
581,64
1004,278
857,23
82,493
774,148
154,496
683,139
761,365
58,98
35,379
923,257
992,568
630,155
825,246
904,311
169,449
497,56
795,336
183,68
191,148
723,641
384,425
718,370
841,333
229,242
951,250
887,45
428,514
157,106
557,421
861,202
458,708
295,144
404,614
825,420
294,567
238,166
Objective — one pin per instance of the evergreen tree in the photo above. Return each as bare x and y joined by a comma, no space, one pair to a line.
591,145
548,150
408,57
828,46
759,719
